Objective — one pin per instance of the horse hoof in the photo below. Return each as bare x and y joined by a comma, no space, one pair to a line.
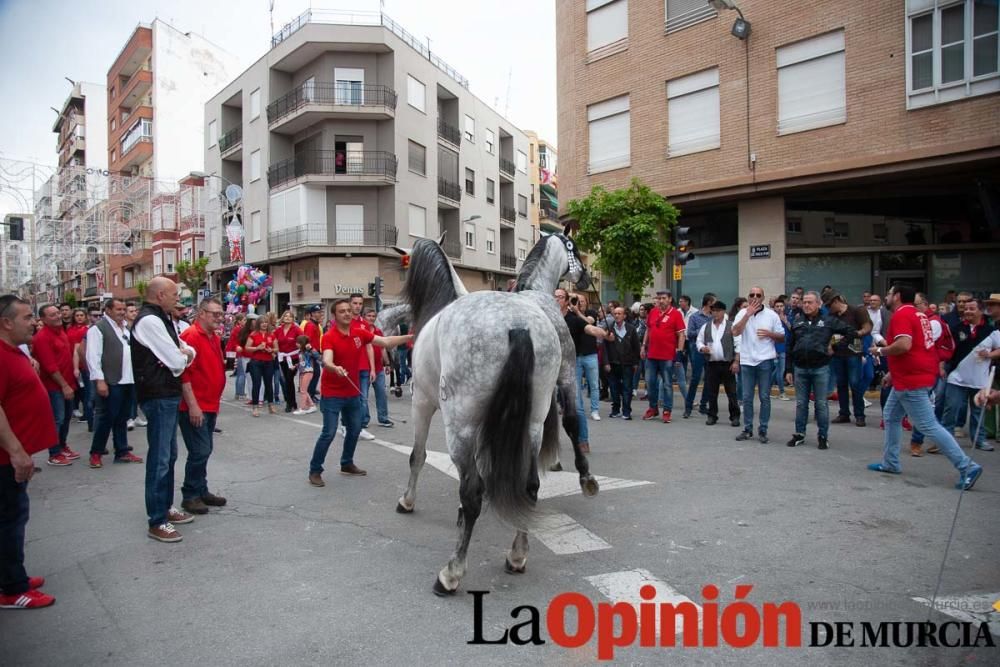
402,510
589,485
510,569
440,590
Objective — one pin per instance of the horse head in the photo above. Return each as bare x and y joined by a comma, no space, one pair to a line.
575,270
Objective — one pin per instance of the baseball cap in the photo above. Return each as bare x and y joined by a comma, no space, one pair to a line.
314,309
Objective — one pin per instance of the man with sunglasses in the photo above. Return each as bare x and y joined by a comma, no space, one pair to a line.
758,328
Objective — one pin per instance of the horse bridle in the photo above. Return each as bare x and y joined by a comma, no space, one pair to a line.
575,264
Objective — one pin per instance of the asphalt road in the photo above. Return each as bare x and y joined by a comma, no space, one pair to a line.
291,574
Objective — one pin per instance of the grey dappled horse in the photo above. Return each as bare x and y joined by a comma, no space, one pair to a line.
490,361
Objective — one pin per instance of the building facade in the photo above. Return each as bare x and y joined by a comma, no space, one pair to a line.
350,138
851,143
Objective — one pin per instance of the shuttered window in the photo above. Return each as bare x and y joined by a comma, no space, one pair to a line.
693,113
812,83
609,134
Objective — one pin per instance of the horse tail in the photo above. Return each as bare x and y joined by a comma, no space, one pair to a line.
505,452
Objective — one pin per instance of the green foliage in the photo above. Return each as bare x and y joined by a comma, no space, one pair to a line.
140,287
193,274
70,298
628,229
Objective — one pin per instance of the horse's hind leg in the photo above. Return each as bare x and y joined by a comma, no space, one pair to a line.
470,492
422,413
517,557
571,425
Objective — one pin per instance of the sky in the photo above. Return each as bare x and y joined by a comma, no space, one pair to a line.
490,42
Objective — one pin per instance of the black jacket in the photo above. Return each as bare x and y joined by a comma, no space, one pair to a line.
808,342
965,341
624,350
152,378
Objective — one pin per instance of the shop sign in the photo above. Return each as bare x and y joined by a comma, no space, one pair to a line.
760,251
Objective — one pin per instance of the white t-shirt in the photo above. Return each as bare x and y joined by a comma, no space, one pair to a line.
754,350
972,371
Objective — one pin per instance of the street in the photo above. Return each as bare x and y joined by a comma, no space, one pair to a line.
291,574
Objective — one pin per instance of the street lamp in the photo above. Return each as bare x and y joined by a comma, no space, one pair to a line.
741,27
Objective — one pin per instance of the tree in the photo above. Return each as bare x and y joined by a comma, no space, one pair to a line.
193,274
140,287
628,229
71,299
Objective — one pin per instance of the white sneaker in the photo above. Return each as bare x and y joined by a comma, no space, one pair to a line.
78,414
595,415
342,431
868,403
309,411
365,435
131,424
783,397
299,412
139,421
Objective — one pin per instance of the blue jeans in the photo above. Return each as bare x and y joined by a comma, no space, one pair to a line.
758,377
815,381
84,397
680,375
364,378
956,399
660,383
916,437
62,412
240,365
348,409
586,368
381,399
849,377
13,518
697,369
261,372
314,383
111,415
403,355
917,404
778,377
620,380
161,434
277,378
198,442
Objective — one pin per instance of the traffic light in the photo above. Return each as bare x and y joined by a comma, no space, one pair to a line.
681,243
371,289
16,229
378,285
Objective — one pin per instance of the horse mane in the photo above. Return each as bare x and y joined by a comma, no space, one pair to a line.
531,263
429,286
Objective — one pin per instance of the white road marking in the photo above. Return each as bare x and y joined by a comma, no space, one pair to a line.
562,535
624,587
973,608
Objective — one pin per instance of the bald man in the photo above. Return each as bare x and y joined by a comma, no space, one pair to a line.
158,359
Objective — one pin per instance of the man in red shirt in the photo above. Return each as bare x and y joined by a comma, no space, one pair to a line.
24,430
665,336
202,384
313,328
54,352
913,370
340,389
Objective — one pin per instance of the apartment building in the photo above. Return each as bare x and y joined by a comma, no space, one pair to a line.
156,89
348,138
851,143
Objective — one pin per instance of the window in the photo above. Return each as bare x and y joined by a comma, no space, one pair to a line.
114,124
418,220
491,188
255,165
607,25
522,206
880,232
811,84
952,50
416,94
841,230
350,220
309,89
522,162
693,113
609,134
255,226
349,85
418,158
470,235
255,104
128,280
680,14
169,259
470,129
793,225
522,249
114,156
491,241
114,280
470,182
157,262
490,141
213,134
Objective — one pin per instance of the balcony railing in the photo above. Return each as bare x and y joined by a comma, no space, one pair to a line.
303,236
452,247
346,94
449,133
508,261
449,190
231,139
507,214
377,164
507,167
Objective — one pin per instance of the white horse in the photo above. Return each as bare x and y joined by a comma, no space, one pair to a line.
490,362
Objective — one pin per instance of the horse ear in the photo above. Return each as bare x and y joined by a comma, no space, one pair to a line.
401,251
570,227
440,240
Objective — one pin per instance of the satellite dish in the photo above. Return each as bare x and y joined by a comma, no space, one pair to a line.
234,193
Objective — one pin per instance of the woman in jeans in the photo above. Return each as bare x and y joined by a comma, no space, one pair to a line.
307,360
262,348
234,350
286,336
77,334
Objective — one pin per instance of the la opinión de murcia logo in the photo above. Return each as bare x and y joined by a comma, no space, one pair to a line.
737,624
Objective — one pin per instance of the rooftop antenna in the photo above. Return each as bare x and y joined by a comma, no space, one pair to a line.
270,11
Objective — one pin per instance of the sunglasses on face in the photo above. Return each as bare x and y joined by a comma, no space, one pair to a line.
756,295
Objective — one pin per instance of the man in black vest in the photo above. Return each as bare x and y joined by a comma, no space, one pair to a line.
720,348
109,359
158,359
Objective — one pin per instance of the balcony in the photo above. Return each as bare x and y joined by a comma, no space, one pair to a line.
135,88
312,102
317,237
449,194
135,151
507,169
231,144
508,261
449,133
508,215
335,168
452,247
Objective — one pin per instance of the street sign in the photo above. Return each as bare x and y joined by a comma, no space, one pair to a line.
678,272
760,251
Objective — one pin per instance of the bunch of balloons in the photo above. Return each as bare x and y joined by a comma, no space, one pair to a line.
249,287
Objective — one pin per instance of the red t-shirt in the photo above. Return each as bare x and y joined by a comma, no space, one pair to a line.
234,338
257,338
663,327
25,402
918,368
362,324
77,333
345,353
52,349
286,341
207,373
314,332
